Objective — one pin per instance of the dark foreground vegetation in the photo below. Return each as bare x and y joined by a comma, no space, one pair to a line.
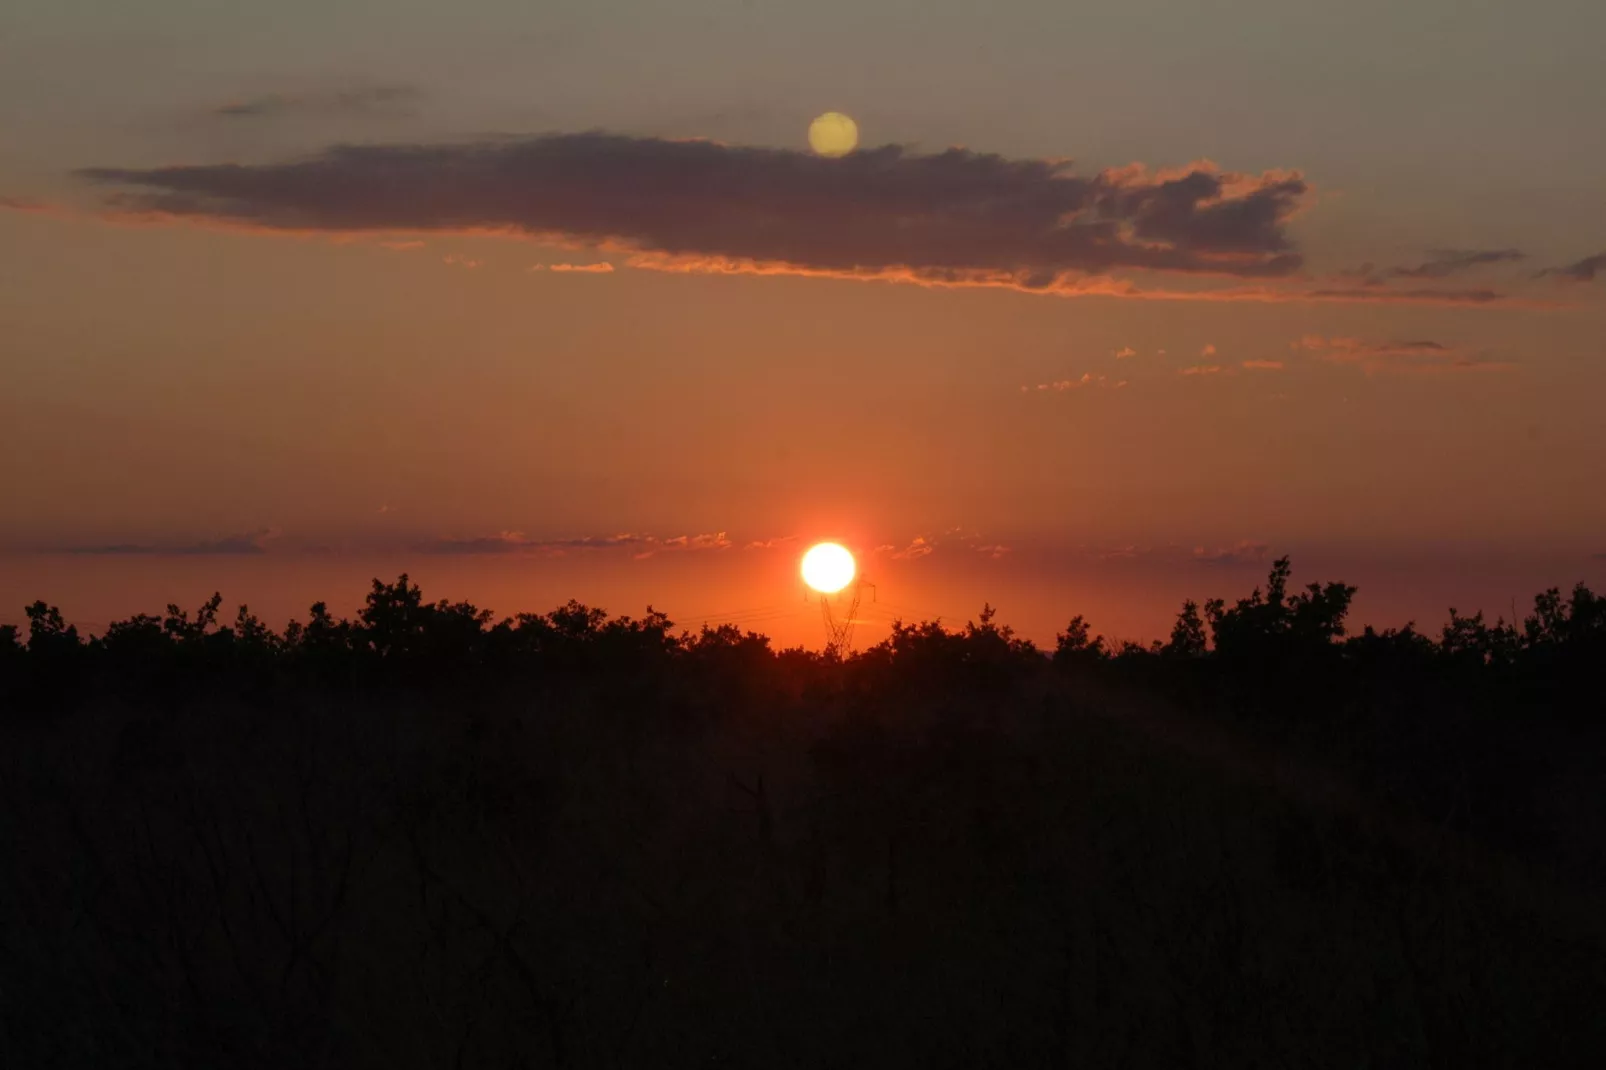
418,839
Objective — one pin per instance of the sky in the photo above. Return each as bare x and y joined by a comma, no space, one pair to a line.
1115,303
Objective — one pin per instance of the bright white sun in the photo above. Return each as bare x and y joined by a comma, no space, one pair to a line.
827,567
833,134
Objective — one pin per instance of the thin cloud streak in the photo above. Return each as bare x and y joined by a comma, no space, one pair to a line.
1446,262
515,542
1422,356
249,543
388,100
1583,270
1087,379
603,268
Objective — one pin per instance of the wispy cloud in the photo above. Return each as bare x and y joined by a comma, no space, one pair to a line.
1244,553
460,260
1087,379
1421,356
1583,270
516,542
776,543
1263,365
1208,351
1442,263
1124,352
378,101
602,268
919,547
255,542
1201,369
953,538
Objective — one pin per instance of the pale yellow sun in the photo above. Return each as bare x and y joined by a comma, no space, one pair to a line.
833,134
828,567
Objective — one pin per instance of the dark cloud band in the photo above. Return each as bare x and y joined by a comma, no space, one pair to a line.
950,215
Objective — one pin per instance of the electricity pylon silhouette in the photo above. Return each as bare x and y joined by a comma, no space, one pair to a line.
839,632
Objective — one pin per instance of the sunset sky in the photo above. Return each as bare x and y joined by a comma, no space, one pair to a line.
1115,302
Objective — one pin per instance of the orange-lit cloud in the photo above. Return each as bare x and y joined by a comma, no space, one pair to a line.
515,542
920,547
460,260
951,219
1423,356
1201,369
880,209
1087,379
602,268
1263,365
777,543
953,538
1124,352
1244,553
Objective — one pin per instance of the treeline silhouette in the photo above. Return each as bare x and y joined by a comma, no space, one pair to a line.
425,837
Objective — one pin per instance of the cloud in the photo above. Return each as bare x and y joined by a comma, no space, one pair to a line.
1583,270
1423,356
460,260
602,268
1409,297
953,217
249,543
920,547
1208,351
776,543
1124,352
515,542
1087,379
715,540
1201,369
27,205
1345,348
1443,263
1263,365
925,545
381,100
1244,553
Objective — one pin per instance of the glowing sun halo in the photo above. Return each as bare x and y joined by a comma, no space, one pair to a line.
828,567
833,134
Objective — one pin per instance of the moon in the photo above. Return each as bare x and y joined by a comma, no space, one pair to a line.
833,134
828,567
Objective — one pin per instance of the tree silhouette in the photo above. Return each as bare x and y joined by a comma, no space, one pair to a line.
428,836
